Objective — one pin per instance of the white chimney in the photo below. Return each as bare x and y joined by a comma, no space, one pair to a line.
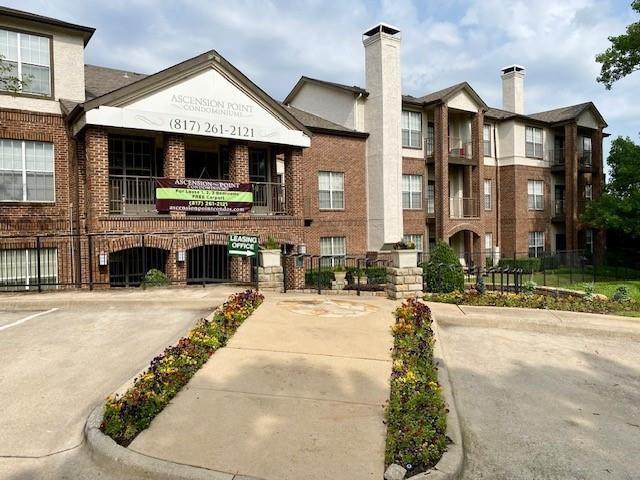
513,88
382,120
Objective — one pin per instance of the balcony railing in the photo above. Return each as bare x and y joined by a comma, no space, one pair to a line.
463,207
558,208
585,159
556,157
459,148
136,196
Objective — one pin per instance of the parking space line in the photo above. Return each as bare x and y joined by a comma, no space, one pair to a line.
26,319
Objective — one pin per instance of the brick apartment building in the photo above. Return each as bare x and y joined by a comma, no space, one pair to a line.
333,170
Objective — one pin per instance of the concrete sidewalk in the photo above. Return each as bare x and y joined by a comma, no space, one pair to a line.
298,393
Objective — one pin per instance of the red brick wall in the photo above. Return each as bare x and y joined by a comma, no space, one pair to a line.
38,217
414,221
337,154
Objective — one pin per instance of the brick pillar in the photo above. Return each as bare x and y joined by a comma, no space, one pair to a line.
239,162
294,274
176,271
293,181
173,164
240,269
97,168
441,162
477,173
571,185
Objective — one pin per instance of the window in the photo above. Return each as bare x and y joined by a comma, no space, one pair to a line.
588,240
488,245
20,267
28,59
26,171
536,244
333,251
588,191
535,190
411,129
411,191
586,144
431,198
487,194
486,138
431,139
331,190
416,239
533,142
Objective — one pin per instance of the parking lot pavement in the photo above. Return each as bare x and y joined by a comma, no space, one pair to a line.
62,353
544,395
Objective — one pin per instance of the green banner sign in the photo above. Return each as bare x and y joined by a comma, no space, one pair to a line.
242,245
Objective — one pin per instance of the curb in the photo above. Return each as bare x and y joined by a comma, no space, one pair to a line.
451,464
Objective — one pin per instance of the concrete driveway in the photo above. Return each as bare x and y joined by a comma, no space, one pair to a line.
62,353
544,395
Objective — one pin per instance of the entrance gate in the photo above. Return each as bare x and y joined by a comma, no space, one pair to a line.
208,264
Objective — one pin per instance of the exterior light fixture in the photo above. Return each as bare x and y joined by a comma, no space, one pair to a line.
302,249
181,256
103,259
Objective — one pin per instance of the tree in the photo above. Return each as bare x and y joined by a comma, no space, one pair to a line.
619,206
9,81
623,56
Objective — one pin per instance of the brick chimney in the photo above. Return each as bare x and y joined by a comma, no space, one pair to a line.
382,119
513,88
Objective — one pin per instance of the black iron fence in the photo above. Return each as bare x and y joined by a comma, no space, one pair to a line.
44,262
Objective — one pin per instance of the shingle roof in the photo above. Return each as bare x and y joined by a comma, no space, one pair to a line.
441,94
499,114
314,122
99,81
561,114
33,17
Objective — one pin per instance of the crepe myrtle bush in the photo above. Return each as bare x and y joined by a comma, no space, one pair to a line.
416,414
126,415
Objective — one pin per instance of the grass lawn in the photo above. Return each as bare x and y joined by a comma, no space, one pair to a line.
606,286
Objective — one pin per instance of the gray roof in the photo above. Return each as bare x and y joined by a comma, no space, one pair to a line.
315,123
99,81
561,114
87,32
499,114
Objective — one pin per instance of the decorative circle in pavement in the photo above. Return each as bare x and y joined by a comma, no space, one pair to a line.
327,308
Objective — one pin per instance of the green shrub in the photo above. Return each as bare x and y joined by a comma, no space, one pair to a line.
155,278
443,272
416,413
589,292
529,288
325,276
376,275
128,414
271,244
527,264
621,294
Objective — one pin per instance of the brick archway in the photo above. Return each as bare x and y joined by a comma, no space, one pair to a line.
464,226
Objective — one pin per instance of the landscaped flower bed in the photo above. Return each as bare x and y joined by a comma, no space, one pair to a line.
127,415
568,303
416,414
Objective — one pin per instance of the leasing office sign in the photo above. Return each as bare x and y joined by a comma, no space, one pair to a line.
204,196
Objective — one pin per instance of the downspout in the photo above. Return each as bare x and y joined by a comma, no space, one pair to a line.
495,153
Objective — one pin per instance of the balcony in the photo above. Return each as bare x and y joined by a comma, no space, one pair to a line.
556,158
585,160
135,196
464,207
558,211
460,151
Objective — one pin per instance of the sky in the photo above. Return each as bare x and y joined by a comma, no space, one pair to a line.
443,42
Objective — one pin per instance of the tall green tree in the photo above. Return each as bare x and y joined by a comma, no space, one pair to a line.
619,206
623,56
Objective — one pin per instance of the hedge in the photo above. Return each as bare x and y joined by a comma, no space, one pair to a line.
376,275
325,275
443,272
416,414
126,415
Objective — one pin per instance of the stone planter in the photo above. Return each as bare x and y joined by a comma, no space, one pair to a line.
404,258
270,258
340,277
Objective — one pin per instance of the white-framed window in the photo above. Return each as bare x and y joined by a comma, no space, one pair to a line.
586,144
411,129
19,268
416,239
536,244
488,244
333,251
411,191
588,191
26,171
431,198
486,139
331,190
533,142
29,59
430,140
588,240
535,191
487,194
